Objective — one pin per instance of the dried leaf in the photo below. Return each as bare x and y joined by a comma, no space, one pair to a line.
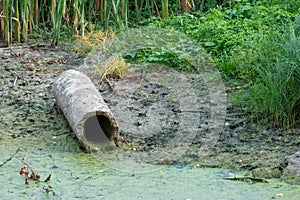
48,178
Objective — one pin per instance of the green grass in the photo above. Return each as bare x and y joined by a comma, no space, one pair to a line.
159,55
257,49
276,93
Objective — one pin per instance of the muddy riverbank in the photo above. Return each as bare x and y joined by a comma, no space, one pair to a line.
28,109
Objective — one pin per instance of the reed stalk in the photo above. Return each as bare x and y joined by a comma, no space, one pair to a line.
18,17
17,21
2,26
81,13
165,9
58,9
24,11
103,10
115,5
6,21
35,11
90,13
76,17
137,10
149,7
156,8
123,9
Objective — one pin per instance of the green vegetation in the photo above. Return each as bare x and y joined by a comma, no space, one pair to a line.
22,17
162,56
255,44
276,92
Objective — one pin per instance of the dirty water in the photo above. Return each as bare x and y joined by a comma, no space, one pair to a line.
77,175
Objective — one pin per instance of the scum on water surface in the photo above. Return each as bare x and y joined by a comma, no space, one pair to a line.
75,174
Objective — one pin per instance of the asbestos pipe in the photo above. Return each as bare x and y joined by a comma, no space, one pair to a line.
87,113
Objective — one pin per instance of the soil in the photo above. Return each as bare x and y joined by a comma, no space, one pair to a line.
154,114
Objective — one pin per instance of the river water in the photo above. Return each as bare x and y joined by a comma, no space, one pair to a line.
78,175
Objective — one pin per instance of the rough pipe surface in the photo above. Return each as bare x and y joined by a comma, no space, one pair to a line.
87,113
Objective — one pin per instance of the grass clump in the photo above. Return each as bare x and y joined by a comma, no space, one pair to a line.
276,93
114,67
93,40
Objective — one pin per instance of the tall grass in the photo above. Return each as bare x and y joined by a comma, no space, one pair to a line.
58,10
257,55
165,10
25,7
5,21
17,20
277,93
19,17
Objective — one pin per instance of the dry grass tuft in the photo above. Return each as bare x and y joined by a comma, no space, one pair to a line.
93,40
114,67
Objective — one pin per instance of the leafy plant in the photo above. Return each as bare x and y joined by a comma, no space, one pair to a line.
162,56
250,45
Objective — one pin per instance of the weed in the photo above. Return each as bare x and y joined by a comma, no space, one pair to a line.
251,46
93,40
162,56
114,67
170,98
276,95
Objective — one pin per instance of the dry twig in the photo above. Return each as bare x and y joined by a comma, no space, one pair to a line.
11,157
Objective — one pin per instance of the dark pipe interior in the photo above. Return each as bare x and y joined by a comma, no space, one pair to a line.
98,129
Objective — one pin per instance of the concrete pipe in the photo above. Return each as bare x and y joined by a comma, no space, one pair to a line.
87,113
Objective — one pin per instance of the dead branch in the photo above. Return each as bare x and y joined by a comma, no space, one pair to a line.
11,157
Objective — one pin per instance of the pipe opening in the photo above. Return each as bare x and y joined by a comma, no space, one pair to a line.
98,129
